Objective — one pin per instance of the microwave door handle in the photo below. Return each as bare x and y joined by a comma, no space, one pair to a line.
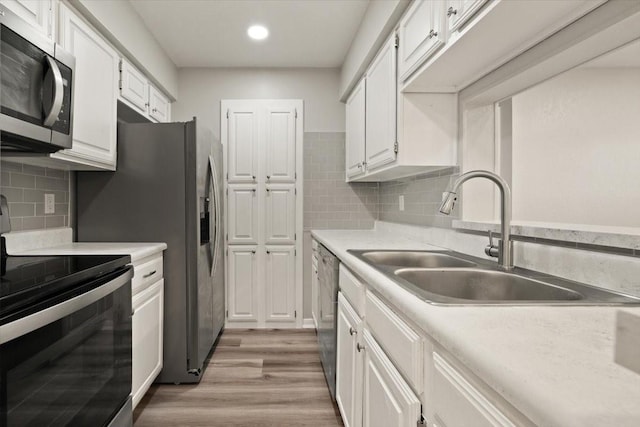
58,89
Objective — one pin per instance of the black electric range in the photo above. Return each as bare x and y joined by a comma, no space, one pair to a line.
30,283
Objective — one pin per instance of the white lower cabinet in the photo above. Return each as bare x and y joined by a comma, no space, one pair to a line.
280,284
314,283
389,373
349,363
387,399
242,283
146,335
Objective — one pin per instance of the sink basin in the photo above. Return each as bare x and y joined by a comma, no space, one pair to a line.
416,259
450,278
485,285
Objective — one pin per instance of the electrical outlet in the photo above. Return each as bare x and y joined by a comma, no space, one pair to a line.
401,202
49,203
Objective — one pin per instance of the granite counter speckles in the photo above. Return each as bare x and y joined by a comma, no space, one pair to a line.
553,364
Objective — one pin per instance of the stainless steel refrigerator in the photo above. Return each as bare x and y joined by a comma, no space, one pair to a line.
167,188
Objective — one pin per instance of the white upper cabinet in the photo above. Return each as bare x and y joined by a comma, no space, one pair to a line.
404,133
38,13
159,106
380,107
355,127
280,206
280,147
460,11
95,93
280,286
242,165
134,87
421,33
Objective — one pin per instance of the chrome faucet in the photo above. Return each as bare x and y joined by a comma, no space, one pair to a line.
504,250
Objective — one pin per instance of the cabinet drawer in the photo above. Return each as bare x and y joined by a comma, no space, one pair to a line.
401,343
352,289
458,403
146,273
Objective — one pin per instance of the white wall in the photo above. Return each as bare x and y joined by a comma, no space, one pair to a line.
202,89
378,21
123,27
576,149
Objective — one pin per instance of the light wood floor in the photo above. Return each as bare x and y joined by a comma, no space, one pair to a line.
254,378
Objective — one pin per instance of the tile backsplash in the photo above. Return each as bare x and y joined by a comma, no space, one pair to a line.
24,186
329,202
422,198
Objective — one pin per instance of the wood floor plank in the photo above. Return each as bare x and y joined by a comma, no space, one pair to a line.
254,378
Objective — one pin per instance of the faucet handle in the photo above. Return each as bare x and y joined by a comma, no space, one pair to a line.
491,249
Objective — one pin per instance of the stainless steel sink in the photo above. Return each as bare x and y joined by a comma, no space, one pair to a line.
485,285
450,278
416,259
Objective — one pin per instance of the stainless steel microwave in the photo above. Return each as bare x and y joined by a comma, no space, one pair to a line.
36,93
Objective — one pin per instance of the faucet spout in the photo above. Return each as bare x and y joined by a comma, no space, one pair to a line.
505,252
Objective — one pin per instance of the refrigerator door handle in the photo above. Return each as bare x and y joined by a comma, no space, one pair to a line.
216,209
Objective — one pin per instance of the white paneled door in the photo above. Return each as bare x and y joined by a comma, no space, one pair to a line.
263,160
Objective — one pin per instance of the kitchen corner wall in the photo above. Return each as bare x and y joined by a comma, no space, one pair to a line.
330,202
422,197
24,187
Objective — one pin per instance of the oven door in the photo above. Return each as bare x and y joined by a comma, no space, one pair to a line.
36,90
70,363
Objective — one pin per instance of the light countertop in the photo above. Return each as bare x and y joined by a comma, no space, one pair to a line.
137,251
554,364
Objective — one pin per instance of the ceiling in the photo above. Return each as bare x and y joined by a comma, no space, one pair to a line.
213,33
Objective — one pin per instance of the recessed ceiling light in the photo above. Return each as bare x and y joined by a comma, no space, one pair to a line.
258,32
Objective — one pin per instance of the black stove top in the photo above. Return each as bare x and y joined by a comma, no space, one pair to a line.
27,280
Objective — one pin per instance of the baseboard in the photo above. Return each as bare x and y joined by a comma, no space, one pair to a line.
308,323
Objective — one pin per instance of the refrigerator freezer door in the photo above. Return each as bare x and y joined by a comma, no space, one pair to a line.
203,314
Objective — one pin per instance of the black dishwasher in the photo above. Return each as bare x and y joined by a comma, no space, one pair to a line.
328,266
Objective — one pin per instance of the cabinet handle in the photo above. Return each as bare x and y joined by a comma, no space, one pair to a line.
253,252
352,331
268,190
253,189
432,34
254,177
149,274
359,347
155,110
268,176
451,11
268,251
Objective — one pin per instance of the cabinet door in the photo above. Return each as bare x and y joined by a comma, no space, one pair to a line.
158,105
146,336
280,269
280,206
280,144
458,403
36,12
460,11
355,127
387,399
242,283
242,143
314,289
134,87
421,34
381,107
95,92
242,214
348,365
